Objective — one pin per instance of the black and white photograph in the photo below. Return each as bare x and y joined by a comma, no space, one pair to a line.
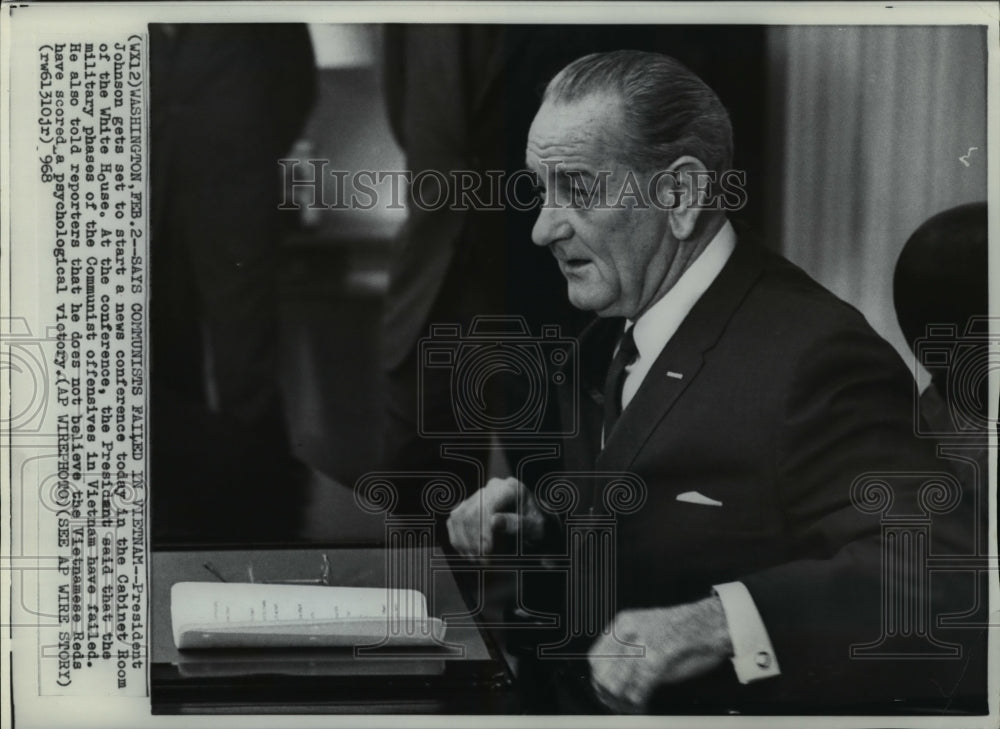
552,364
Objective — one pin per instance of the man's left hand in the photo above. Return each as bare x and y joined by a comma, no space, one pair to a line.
681,642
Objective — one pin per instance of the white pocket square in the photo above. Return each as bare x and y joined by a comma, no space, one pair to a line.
693,497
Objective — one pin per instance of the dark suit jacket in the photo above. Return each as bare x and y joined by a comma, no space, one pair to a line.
787,397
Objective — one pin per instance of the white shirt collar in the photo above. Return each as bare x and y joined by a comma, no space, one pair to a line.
660,322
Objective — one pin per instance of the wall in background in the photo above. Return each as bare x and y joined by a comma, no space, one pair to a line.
341,45
875,121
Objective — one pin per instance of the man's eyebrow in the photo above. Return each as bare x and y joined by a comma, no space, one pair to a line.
562,173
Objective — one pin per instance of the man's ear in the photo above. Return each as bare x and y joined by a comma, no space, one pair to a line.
687,186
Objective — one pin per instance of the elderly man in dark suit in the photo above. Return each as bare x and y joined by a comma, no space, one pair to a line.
769,423
462,98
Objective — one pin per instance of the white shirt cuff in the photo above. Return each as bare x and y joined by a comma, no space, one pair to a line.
753,654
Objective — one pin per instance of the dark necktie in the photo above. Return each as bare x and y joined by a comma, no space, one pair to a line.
615,380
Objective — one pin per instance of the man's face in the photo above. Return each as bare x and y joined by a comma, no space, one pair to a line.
615,257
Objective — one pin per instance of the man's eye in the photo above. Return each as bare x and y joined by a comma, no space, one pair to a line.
538,192
581,197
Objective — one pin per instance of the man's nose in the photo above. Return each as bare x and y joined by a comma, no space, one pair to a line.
551,226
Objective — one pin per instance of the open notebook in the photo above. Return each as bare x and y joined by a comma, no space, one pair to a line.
254,615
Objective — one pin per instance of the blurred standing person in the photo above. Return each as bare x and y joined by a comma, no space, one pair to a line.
226,102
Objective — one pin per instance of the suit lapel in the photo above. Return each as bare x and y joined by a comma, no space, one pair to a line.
681,360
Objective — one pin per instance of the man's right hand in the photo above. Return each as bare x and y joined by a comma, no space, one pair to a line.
503,506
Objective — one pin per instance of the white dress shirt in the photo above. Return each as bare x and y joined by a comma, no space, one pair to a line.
753,654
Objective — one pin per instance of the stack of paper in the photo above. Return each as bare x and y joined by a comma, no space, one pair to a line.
245,615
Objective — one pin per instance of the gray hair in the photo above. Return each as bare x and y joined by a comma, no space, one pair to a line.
669,111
